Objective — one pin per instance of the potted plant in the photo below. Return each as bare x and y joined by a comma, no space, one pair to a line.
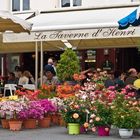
10,109
100,117
48,109
67,65
46,91
125,114
74,114
31,114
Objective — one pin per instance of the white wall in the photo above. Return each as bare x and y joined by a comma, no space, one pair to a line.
43,5
86,3
5,5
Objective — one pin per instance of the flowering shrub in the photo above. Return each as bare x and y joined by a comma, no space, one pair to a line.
101,115
48,106
73,111
66,90
46,91
34,110
31,95
11,108
125,112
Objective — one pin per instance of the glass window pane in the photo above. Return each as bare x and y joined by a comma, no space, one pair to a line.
77,2
15,5
65,3
26,4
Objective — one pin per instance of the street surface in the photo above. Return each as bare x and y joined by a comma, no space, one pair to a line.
55,133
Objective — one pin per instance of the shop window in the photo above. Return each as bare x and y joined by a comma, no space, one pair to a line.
70,3
76,2
20,5
15,5
26,4
65,3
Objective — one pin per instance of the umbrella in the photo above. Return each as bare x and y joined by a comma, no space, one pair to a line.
9,22
132,19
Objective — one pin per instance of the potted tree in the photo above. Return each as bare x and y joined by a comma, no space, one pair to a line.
68,65
125,115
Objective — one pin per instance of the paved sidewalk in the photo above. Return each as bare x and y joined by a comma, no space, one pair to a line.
54,133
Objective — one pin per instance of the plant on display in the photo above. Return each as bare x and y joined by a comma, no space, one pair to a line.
68,65
126,112
73,111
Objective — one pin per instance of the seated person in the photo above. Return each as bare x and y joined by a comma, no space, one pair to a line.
50,79
12,79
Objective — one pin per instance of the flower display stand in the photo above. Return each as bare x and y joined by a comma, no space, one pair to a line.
103,131
73,128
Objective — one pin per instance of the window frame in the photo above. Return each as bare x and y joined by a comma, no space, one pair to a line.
21,9
71,4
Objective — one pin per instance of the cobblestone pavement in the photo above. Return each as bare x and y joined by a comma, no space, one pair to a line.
54,133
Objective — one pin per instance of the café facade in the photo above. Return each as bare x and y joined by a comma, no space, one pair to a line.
92,33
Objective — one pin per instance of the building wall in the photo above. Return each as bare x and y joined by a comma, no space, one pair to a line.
44,5
5,5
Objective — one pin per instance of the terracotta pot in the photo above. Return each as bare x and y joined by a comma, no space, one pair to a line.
61,121
15,125
30,123
55,119
45,122
5,123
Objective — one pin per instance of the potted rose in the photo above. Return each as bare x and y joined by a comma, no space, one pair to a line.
125,115
74,114
100,118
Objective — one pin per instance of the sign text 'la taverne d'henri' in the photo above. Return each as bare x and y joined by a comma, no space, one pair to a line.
72,34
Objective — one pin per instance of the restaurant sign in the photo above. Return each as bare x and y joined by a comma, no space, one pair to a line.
98,33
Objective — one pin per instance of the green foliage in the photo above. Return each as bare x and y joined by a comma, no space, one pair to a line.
125,113
72,106
67,65
103,112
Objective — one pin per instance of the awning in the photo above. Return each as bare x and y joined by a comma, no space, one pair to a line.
81,19
25,16
132,19
84,29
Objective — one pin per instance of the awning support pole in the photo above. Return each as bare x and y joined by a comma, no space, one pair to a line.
36,64
41,62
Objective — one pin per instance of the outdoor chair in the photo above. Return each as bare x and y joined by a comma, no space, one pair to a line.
11,88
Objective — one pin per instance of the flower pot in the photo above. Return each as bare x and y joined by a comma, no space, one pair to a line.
30,123
61,121
103,131
82,129
139,131
45,122
15,125
73,128
5,123
126,133
55,119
